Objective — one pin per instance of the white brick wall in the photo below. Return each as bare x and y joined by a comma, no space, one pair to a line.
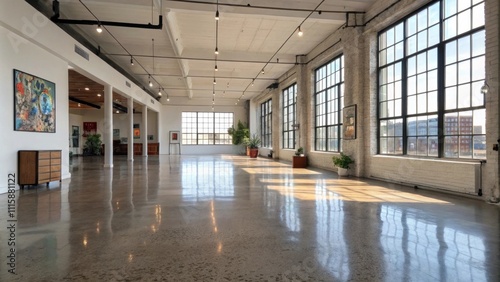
359,48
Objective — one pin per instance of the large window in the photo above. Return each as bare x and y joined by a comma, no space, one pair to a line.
431,69
289,116
266,122
206,128
329,101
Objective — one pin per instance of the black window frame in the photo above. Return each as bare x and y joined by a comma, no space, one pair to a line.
328,135
216,136
266,123
289,116
409,127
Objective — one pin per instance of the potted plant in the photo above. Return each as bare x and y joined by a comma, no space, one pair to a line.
253,145
239,133
299,160
342,162
93,145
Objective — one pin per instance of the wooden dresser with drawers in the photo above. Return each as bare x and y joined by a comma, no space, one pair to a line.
37,167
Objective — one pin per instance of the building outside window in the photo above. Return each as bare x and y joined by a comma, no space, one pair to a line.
266,122
431,67
329,101
206,128
289,116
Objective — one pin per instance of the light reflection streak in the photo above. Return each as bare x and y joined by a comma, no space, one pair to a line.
347,190
332,250
418,248
207,179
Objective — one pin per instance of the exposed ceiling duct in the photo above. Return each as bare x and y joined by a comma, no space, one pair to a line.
55,18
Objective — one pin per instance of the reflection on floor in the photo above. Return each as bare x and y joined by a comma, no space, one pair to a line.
231,218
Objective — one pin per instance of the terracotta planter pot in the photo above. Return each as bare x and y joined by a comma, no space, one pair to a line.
254,153
299,162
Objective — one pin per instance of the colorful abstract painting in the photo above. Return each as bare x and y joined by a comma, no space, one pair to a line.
35,103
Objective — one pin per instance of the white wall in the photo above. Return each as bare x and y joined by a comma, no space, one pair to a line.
172,117
32,43
27,57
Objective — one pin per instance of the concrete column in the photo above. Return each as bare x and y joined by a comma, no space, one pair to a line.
158,130
130,126
144,136
491,171
108,126
303,135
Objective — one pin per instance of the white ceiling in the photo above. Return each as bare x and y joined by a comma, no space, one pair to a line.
184,58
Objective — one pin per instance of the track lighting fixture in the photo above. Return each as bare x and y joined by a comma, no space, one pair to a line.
217,15
215,82
99,28
131,61
300,33
159,91
216,69
150,83
168,99
253,80
216,51
263,72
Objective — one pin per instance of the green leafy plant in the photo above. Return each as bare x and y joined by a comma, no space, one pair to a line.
342,161
93,144
240,133
300,151
254,142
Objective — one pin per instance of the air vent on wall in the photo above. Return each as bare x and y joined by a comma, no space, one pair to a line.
273,86
128,84
81,52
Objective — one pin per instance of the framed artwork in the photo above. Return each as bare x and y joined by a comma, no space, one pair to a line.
75,136
89,127
137,131
349,122
175,137
34,103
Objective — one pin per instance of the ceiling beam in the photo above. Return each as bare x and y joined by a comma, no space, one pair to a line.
71,98
281,9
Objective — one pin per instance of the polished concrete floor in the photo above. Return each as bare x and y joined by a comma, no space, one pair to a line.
231,218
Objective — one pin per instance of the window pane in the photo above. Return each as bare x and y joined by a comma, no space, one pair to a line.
462,76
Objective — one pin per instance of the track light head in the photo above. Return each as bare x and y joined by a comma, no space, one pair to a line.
216,51
216,68
217,15
131,61
300,33
99,28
